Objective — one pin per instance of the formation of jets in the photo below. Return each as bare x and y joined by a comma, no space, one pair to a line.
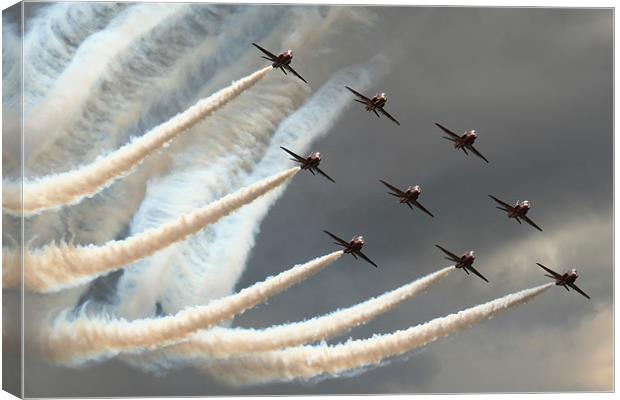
409,197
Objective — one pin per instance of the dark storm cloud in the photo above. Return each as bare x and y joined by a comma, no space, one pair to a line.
537,85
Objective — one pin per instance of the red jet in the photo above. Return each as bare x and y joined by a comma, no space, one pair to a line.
311,163
375,104
464,142
281,61
408,197
353,247
517,211
465,261
567,279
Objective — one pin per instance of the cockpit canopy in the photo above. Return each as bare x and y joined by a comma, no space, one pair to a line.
415,188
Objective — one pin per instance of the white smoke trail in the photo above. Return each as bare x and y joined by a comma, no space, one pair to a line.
83,338
52,38
49,119
57,267
141,73
72,186
305,362
223,342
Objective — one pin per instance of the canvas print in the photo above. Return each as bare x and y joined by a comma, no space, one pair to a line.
207,199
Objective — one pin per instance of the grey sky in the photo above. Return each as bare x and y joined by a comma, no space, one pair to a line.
537,86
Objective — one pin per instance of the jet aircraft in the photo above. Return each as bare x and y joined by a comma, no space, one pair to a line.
282,61
311,162
377,103
408,197
464,142
353,247
566,279
517,211
465,261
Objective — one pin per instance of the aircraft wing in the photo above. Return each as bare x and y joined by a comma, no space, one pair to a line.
476,152
394,188
448,131
336,238
297,157
358,94
448,253
529,221
271,55
324,174
359,253
581,292
421,207
382,111
508,206
294,72
475,271
555,274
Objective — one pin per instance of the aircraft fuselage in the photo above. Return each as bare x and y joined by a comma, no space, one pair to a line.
466,260
284,58
378,101
411,194
567,278
355,244
519,210
467,139
312,161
